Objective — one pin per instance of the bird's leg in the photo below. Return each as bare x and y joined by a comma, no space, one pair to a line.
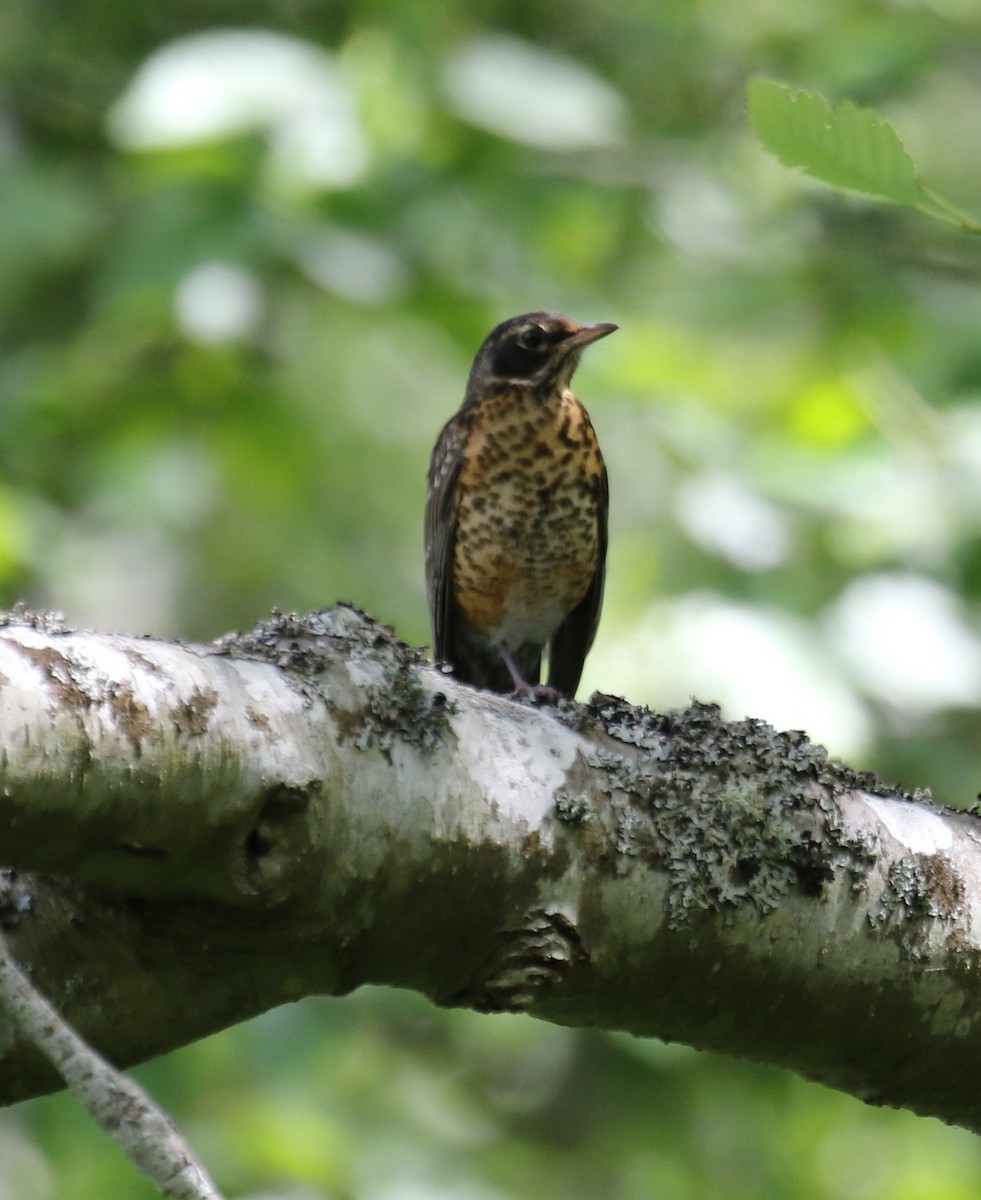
536,692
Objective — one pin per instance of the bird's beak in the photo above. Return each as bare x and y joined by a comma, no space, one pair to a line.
587,334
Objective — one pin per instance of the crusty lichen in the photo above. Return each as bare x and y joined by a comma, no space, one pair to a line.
404,711
397,709
572,806
919,888
304,645
22,617
734,813
16,898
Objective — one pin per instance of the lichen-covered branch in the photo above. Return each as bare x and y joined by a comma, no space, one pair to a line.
194,834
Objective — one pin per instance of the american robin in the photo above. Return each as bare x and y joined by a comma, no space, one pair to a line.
516,515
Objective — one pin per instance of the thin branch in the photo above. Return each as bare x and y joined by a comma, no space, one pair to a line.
120,1106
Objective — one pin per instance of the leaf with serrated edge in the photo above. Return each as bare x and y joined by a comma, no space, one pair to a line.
847,147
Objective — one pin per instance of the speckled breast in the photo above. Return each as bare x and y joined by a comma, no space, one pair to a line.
527,532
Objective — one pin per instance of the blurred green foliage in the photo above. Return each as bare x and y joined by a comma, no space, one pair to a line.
247,251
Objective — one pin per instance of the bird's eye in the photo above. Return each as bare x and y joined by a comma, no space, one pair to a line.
532,338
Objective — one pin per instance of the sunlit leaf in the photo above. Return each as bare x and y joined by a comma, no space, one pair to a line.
845,146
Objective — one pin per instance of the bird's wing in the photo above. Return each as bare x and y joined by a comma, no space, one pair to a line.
444,471
571,641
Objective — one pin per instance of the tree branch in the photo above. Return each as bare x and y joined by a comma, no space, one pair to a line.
121,1107
211,831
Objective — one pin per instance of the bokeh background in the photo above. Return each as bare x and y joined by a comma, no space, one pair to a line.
247,251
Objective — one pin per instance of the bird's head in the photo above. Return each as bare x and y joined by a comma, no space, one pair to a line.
537,350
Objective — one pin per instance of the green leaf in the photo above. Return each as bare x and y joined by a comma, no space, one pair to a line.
846,146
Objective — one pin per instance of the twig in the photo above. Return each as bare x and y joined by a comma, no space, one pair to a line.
143,1132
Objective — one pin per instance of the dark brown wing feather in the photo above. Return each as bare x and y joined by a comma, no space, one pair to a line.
471,655
571,641
444,470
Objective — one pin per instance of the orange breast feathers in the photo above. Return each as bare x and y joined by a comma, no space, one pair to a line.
527,532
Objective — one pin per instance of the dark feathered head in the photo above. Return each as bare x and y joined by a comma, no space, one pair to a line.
539,350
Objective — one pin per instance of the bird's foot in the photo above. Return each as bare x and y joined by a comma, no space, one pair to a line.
537,693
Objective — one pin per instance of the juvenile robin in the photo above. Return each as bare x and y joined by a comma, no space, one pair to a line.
516,515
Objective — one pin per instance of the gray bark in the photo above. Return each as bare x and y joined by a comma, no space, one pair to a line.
195,834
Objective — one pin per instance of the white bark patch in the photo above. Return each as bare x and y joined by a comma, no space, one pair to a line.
520,768
919,830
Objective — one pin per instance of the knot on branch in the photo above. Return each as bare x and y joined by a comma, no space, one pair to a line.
277,847
524,963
